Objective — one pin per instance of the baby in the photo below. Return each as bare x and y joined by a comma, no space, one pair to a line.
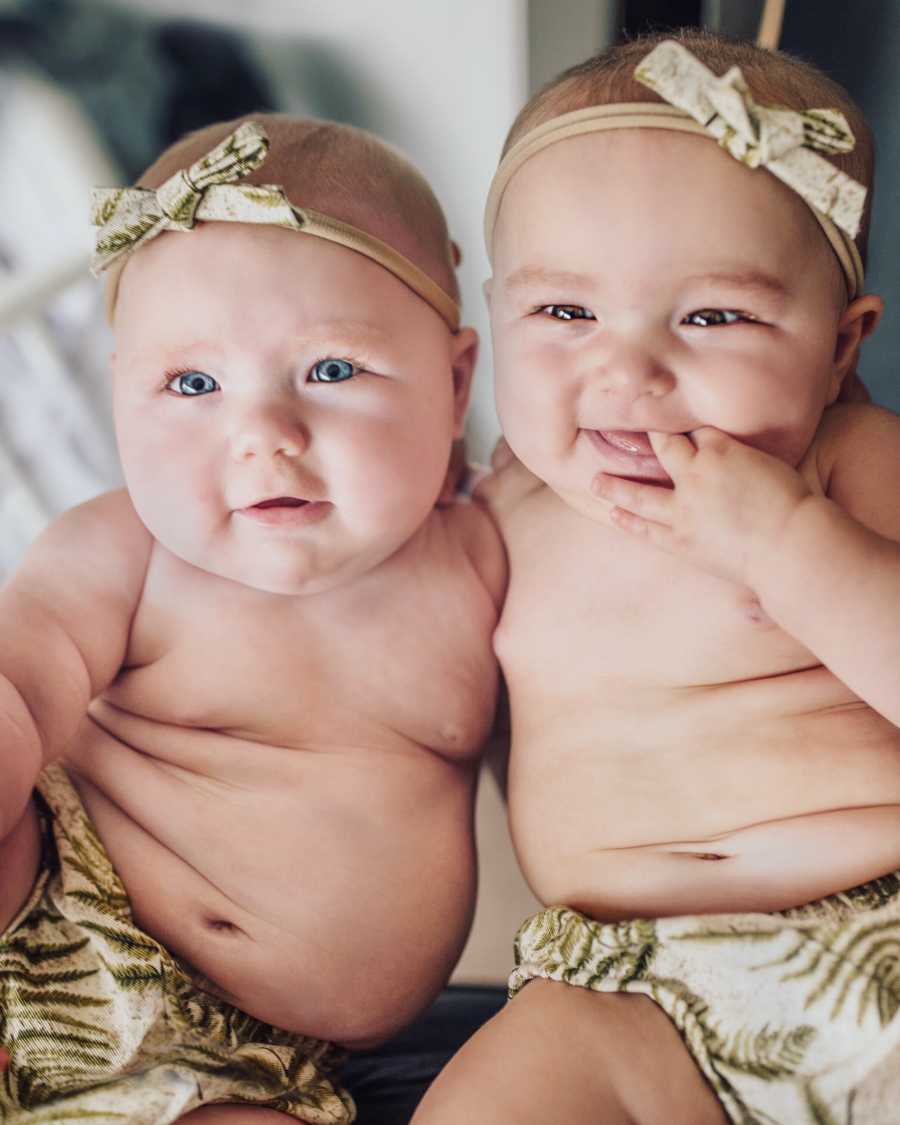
702,657
250,688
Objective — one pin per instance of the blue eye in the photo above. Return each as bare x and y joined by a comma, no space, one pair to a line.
713,318
192,383
332,371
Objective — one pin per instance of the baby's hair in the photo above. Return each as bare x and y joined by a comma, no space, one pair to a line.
774,78
344,172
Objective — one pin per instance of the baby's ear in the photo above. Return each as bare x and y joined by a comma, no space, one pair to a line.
860,319
463,356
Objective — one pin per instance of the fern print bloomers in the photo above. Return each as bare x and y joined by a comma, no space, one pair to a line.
793,1017
100,1021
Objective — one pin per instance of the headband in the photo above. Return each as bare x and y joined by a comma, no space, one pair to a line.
785,142
128,218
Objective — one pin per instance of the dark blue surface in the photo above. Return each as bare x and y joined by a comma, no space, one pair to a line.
389,1082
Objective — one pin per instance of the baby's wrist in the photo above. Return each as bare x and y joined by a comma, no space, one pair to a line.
794,544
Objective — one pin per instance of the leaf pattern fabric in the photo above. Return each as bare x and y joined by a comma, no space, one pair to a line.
102,1023
792,1017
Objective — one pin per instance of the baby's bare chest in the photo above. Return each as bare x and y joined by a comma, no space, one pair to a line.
406,660
587,602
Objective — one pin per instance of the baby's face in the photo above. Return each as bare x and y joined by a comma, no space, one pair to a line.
284,406
645,280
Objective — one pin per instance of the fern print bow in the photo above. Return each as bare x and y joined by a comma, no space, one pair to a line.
786,142
129,216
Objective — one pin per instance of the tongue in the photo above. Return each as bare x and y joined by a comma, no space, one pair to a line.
629,441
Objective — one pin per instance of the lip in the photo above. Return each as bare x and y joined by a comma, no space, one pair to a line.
621,463
298,515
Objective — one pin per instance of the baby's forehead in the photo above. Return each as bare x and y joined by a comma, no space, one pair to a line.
623,206
637,169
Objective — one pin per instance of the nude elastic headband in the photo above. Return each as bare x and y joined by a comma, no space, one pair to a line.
785,142
127,218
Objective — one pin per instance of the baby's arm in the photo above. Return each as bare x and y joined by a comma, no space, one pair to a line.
65,617
826,568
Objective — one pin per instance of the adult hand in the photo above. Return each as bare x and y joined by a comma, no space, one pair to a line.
726,511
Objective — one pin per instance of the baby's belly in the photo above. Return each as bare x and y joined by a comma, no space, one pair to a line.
709,801
328,893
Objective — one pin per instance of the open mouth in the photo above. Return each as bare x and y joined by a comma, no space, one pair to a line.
290,511
281,502
635,442
627,453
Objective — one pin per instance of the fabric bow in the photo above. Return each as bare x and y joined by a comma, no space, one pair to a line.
128,217
784,141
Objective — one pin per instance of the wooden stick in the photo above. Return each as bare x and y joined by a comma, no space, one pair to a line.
770,23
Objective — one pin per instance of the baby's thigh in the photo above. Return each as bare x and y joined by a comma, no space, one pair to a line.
236,1115
20,854
560,1053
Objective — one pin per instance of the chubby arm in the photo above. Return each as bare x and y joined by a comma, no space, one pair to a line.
65,617
833,578
825,567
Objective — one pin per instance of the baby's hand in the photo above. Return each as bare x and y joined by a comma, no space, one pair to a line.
729,504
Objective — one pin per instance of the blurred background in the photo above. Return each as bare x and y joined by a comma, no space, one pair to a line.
92,90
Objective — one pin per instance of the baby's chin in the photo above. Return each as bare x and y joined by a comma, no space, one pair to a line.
271,568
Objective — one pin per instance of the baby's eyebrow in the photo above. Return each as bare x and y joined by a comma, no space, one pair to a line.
751,280
344,331
176,352
529,277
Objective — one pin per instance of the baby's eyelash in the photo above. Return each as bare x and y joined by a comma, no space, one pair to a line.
318,370
171,376
566,312
717,318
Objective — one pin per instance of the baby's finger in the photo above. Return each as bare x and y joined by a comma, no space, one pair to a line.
673,451
657,533
646,500
708,437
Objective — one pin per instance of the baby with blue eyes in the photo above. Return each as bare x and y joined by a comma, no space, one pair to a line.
243,698
700,635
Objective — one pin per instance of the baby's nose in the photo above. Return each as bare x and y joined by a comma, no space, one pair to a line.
632,370
269,431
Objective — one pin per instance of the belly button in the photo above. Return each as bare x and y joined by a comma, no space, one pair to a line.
708,855
220,925
757,615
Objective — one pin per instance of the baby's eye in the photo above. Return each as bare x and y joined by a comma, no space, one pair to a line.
567,312
712,318
332,371
192,383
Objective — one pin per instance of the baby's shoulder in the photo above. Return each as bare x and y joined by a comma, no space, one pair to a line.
111,513
857,454
856,433
469,525
507,486
101,539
